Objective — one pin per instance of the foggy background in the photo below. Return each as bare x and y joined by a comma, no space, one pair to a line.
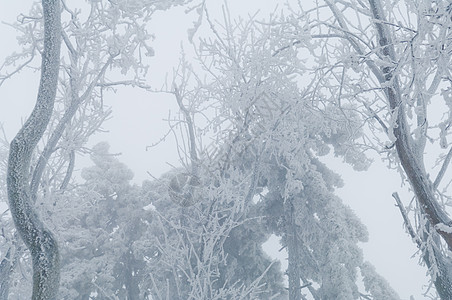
138,121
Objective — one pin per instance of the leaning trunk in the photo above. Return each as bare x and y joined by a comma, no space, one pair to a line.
37,237
419,181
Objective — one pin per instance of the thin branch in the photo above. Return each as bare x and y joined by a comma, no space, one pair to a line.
70,170
132,83
350,37
443,169
394,25
191,129
18,69
305,285
406,220
376,117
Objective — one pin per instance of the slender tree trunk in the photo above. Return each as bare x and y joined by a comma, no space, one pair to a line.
292,249
133,290
38,239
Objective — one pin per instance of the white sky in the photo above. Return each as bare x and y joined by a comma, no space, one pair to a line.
137,122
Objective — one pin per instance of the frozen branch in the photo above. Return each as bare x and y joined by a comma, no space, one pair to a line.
69,171
404,144
191,130
376,117
443,169
339,17
3,78
69,113
406,220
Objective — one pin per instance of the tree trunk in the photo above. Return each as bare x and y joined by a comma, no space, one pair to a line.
38,239
133,289
5,275
414,169
292,249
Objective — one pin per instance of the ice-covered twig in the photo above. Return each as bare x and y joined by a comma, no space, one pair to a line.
406,220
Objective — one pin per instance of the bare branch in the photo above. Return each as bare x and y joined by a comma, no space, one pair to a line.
3,78
69,171
443,169
406,220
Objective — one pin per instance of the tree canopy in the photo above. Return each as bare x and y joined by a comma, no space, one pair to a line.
264,102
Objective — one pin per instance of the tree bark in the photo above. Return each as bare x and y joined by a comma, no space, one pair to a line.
133,289
414,169
5,275
37,237
292,249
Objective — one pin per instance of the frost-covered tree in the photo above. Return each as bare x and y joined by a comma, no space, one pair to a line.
130,243
321,236
98,37
203,252
270,130
388,61
38,238
105,44
100,230
378,65
274,96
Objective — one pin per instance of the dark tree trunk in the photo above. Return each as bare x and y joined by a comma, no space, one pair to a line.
292,248
131,282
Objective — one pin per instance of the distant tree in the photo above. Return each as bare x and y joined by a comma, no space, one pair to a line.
321,236
204,252
130,243
99,230
246,259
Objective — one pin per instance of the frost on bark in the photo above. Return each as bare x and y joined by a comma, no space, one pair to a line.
413,167
292,247
390,74
5,270
39,240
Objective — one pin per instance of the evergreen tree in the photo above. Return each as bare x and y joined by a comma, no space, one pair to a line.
308,222
99,260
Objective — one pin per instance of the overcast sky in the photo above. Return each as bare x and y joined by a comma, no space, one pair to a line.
138,122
